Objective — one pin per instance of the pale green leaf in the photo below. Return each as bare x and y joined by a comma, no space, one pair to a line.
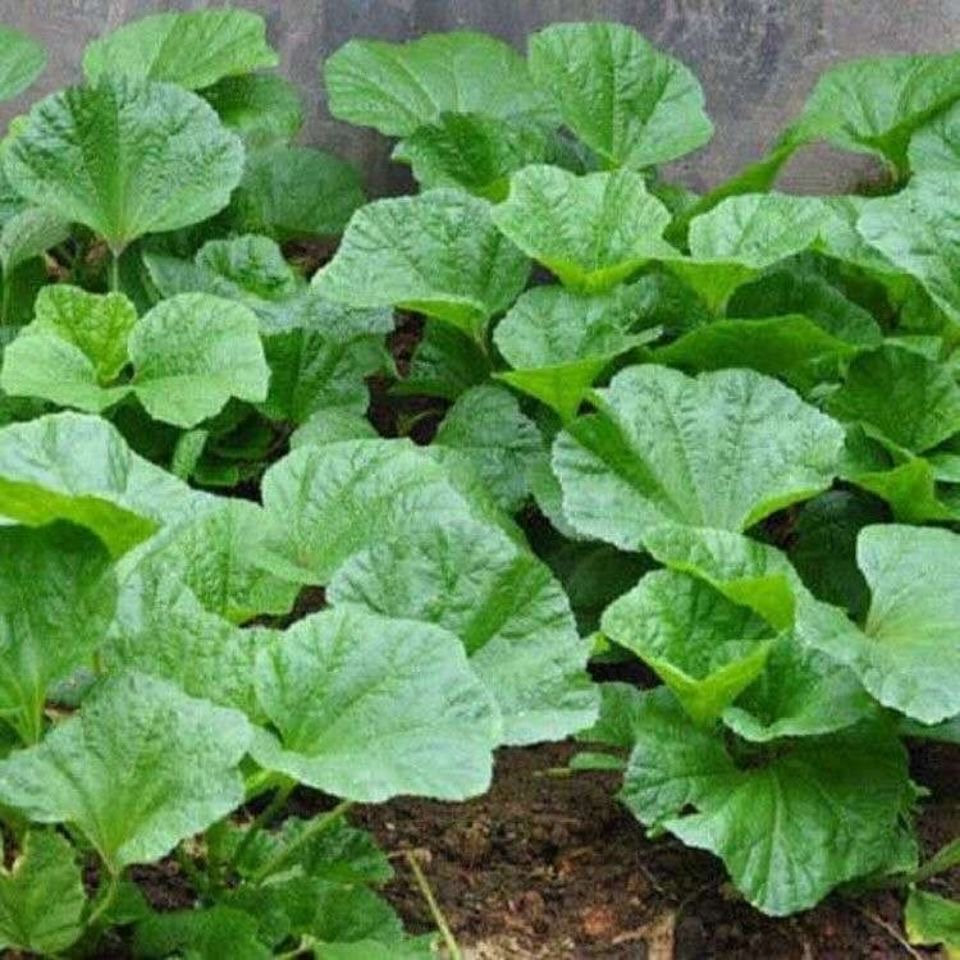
630,103
141,767
29,234
705,648
399,87
723,450
192,353
41,896
331,425
932,920
591,231
438,253
193,49
510,614
125,158
936,145
359,717
22,60
57,595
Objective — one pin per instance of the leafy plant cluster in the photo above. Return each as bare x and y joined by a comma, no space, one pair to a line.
719,434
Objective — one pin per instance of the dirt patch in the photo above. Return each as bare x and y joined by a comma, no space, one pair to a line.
552,867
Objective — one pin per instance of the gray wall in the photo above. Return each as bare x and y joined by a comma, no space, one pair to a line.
757,59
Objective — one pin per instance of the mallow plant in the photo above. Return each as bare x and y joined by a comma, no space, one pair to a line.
717,434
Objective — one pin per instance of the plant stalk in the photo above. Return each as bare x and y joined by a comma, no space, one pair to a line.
263,818
453,948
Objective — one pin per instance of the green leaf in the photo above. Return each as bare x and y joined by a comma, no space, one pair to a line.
332,501
723,450
591,231
125,158
801,693
706,649
438,253
559,342
931,921
445,363
824,545
873,105
900,395
785,347
936,145
474,152
359,717
22,60
487,428
627,101
29,234
57,596
194,352
907,654
400,87
510,614
331,426
194,49
789,829
262,109
289,192
204,934
41,896
72,467
918,231
140,768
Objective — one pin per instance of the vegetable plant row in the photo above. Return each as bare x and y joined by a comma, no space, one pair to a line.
717,434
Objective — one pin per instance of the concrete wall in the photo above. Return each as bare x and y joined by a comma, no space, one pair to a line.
757,59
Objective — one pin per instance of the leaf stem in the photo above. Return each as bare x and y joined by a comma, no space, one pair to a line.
438,918
105,901
313,829
265,816
114,271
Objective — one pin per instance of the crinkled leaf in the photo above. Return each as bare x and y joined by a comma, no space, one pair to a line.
41,896
932,920
918,230
57,596
359,717
487,428
29,234
192,353
293,192
510,614
141,767
206,934
902,396
790,829
705,648
261,108
78,468
332,501
125,158
400,87
559,342
936,145
438,253
474,152
22,60
908,653
193,49
785,347
630,103
723,450
331,425
591,231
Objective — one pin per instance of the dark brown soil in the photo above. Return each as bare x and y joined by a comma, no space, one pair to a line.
552,867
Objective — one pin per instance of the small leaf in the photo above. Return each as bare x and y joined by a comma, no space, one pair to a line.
358,717
41,897
30,234
194,49
288,192
627,101
511,616
723,450
936,145
192,353
331,426
399,87
141,767
22,60
125,158
706,649
438,254
262,109
931,920
591,231
57,596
